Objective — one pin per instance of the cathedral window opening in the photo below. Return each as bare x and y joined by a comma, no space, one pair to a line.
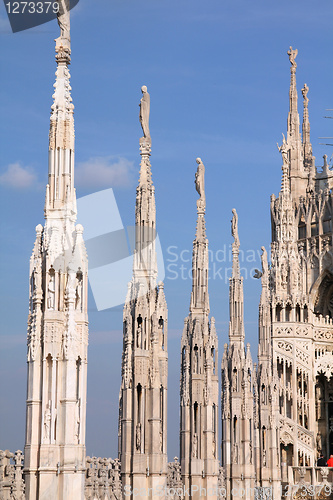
78,376
278,312
195,417
78,290
139,332
305,313
288,312
49,364
139,402
161,327
263,434
234,380
51,289
161,417
263,394
213,358
314,226
196,359
235,429
298,313
327,221
302,229
281,404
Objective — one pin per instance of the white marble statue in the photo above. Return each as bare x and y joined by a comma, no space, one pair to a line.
284,150
63,19
51,292
144,112
234,226
200,180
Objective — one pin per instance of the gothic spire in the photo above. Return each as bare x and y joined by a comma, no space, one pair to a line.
60,189
307,147
293,117
199,295
236,299
145,263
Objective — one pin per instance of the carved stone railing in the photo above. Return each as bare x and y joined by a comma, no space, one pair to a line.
11,477
102,479
311,482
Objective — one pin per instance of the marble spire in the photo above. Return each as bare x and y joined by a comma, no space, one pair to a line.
199,380
145,261
307,146
143,392
60,188
199,295
58,320
236,298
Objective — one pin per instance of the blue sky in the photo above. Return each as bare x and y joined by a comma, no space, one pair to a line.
218,75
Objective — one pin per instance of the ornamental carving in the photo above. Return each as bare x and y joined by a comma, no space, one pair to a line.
324,364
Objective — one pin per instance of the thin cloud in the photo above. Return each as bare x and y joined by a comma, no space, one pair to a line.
104,171
19,177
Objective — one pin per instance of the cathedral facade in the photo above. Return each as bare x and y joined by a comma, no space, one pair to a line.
277,412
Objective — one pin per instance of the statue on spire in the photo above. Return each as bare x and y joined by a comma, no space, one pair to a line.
305,91
200,181
292,56
144,112
234,227
283,149
63,22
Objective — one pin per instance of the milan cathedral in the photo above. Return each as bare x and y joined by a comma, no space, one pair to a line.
276,411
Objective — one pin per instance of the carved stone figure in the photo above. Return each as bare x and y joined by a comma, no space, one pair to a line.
139,336
144,112
235,453
234,227
319,442
195,445
51,292
305,91
78,293
264,262
283,149
77,421
200,180
64,19
47,423
138,436
292,56
161,441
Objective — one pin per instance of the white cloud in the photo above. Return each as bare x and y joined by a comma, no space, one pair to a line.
18,177
104,171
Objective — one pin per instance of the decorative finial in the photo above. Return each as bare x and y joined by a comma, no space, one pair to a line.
200,182
283,149
234,227
292,56
144,113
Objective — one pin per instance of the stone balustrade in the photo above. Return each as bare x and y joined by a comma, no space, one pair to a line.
11,476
